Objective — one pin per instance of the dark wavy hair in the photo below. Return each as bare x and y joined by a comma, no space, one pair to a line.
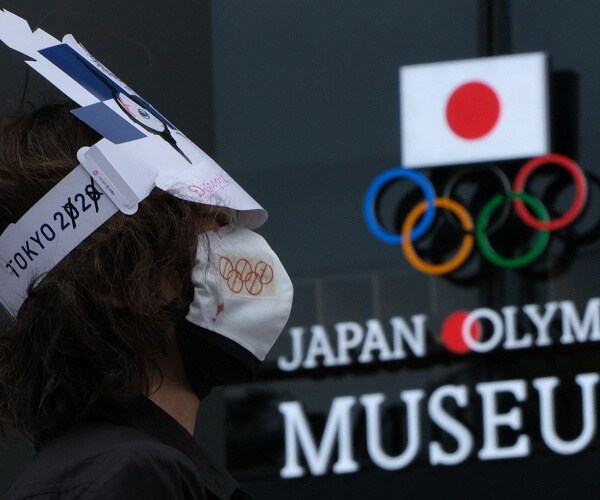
91,332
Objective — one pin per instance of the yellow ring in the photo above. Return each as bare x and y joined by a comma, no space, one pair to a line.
463,251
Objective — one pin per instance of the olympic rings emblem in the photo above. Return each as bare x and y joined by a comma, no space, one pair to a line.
240,275
528,208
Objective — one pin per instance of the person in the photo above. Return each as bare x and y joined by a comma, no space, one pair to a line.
105,365
134,284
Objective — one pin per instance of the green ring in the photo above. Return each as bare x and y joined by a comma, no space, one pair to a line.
539,244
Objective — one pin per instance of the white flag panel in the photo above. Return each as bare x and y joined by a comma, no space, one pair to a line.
474,110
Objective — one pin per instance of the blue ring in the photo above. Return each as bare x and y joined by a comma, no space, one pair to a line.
369,210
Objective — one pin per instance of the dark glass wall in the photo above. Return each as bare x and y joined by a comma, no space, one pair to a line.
306,115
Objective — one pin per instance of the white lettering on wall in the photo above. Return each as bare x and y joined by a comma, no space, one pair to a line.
303,446
512,340
545,387
414,338
483,345
492,420
581,330
439,416
375,341
542,321
349,336
319,346
338,429
372,404
353,343
289,365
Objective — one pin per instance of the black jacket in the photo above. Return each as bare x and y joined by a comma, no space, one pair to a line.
133,452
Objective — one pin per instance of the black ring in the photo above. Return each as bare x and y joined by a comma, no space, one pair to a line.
506,187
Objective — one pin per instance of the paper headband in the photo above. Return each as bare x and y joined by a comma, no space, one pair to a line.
140,150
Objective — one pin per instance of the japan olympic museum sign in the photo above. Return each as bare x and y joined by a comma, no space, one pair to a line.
406,338
456,113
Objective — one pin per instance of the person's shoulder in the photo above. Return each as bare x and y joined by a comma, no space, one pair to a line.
105,461
145,470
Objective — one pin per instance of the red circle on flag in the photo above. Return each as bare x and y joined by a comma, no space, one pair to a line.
473,110
452,337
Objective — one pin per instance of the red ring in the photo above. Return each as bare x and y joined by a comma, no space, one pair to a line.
580,192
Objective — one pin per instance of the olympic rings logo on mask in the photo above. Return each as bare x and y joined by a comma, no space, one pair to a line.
242,273
527,207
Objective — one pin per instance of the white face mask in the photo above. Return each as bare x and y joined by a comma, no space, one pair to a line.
242,301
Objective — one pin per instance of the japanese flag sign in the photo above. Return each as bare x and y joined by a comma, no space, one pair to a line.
474,110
